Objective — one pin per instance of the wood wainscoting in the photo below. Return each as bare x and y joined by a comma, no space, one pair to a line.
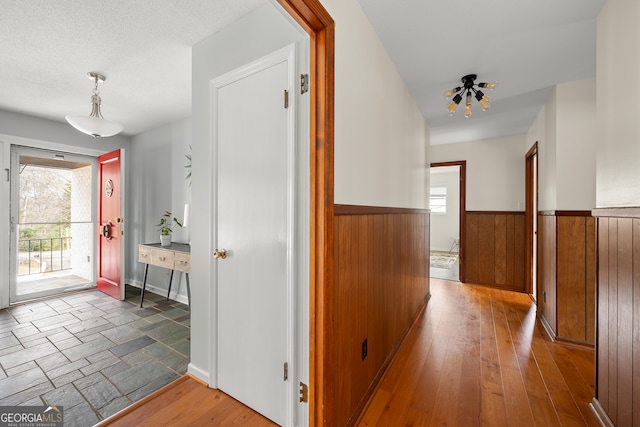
382,284
618,346
495,249
567,274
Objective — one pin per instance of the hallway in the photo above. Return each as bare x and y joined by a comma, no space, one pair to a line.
478,357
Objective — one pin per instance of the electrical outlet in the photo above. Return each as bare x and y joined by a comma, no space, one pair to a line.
364,349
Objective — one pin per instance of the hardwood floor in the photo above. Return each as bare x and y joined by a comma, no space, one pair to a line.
478,357
187,402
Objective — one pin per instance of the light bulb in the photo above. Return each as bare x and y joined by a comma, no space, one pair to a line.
452,107
448,94
467,111
484,103
454,104
491,85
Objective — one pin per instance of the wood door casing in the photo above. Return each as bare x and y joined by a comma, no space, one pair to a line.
463,214
316,21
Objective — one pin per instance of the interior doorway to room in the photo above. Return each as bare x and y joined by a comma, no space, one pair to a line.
447,204
52,230
531,218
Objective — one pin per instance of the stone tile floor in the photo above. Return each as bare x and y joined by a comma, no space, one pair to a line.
90,353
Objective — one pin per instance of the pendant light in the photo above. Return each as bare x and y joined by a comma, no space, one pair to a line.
468,88
94,124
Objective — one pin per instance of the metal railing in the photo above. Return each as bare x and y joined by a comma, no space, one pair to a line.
44,254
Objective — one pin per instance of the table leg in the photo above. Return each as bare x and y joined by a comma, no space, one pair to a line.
170,280
144,284
188,291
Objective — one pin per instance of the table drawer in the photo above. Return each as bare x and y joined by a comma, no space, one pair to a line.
162,258
183,262
144,254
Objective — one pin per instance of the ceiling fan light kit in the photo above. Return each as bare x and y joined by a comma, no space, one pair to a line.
469,90
94,124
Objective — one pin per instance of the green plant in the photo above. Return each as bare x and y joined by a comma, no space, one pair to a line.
164,226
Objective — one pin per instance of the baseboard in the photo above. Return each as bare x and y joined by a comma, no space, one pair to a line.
574,342
601,414
547,327
159,291
199,374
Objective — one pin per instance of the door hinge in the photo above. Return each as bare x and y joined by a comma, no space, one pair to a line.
304,392
286,371
8,175
286,98
304,83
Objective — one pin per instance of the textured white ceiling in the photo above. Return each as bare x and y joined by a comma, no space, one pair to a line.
144,49
526,46
142,46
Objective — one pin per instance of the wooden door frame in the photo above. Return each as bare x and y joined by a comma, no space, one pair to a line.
316,21
463,213
529,217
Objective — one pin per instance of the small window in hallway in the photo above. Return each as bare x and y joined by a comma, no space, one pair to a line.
438,199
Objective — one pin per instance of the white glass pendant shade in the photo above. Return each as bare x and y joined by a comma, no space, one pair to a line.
94,126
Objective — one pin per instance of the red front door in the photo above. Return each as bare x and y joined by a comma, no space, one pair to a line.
111,224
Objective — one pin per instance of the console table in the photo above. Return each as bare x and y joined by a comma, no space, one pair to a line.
176,256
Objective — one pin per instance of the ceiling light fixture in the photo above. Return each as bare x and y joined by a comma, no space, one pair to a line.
94,124
468,89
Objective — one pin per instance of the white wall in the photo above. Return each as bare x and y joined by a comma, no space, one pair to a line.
576,145
565,130
618,105
547,196
157,184
446,227
495,171
381,137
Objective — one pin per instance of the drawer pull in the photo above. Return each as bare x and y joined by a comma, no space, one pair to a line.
162,258
183,263
143,255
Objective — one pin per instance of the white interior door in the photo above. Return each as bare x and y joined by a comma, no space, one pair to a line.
255,227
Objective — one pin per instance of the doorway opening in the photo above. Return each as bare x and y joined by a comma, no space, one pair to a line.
52,228
531,218
447,223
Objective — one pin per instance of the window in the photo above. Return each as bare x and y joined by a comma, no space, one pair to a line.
438,199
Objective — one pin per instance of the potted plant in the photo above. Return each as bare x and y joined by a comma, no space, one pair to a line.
164,226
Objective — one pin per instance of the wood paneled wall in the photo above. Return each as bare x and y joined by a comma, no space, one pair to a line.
567,274
382,283
618,334
494,249
547,264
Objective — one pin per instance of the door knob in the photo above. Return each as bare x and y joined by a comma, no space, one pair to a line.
222,253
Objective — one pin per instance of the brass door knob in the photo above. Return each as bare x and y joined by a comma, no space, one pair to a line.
222,253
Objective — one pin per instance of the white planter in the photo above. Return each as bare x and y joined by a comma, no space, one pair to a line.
165,240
